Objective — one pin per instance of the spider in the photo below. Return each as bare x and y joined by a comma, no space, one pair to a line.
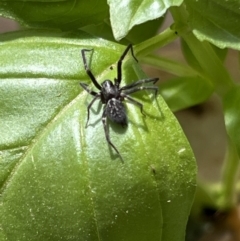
112,95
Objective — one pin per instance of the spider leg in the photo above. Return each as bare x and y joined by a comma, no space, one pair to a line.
139,82
96,96
140,105
135,89
89,72
104,121
85,87
89,107
119,64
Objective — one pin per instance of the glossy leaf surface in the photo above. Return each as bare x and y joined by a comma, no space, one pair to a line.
60,180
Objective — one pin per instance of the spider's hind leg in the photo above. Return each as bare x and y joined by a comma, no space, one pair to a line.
135,102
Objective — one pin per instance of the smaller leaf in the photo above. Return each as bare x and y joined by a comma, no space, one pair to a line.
126,14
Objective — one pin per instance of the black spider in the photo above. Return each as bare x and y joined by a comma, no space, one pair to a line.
112,95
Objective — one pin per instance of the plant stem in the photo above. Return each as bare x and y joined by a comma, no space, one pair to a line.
168,65
229,175
160,40
211,65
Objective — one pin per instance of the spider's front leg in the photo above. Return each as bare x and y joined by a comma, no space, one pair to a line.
104,121
89,72
119,64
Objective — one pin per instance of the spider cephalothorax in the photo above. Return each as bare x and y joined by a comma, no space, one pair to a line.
112,95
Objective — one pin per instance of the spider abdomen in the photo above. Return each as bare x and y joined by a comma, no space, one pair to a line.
116,112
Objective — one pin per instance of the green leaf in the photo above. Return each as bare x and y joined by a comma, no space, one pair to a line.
217,21
60,180
184,92
71,14
126,14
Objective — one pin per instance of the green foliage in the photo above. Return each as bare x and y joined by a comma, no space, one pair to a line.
60,180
